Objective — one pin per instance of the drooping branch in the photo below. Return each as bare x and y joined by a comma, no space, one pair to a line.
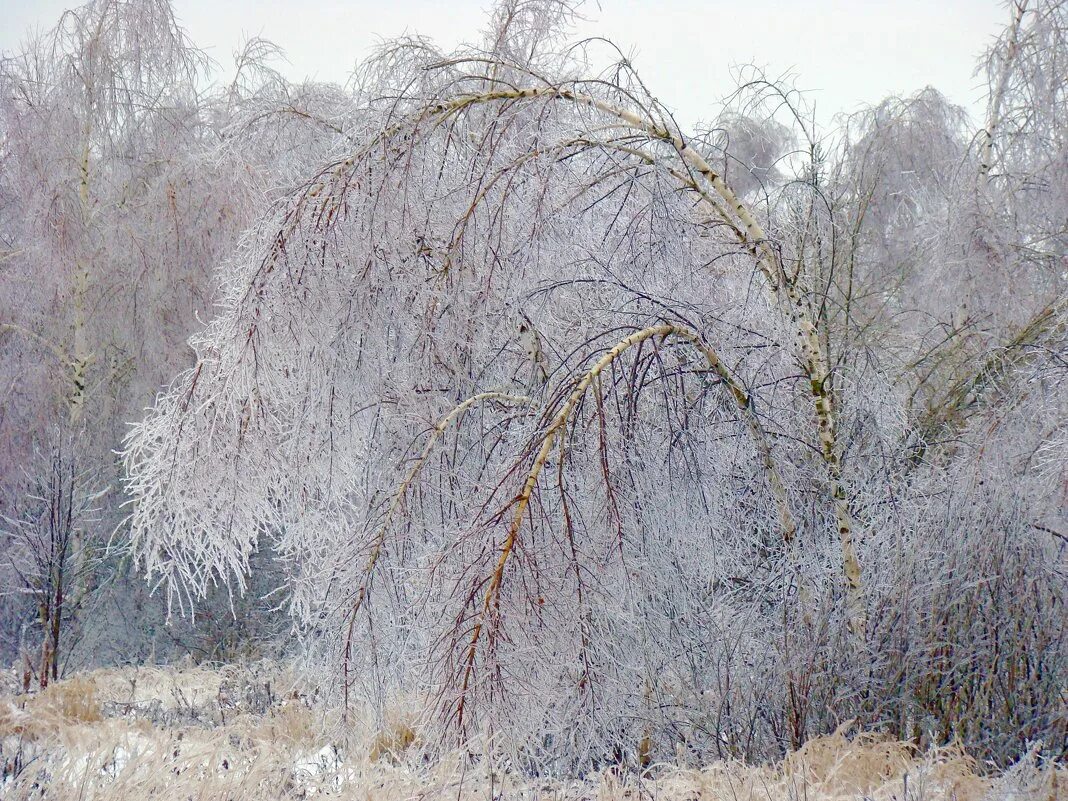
950,414
558,424
397,499
786,288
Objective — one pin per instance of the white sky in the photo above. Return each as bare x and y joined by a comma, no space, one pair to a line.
846,52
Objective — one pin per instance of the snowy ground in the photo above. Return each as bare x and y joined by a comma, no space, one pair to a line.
253,733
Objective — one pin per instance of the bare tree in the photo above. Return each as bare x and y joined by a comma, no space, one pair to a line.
123,183
53,551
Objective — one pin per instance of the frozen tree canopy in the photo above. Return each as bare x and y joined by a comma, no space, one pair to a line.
590,438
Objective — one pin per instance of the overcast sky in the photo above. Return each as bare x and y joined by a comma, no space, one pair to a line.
846,52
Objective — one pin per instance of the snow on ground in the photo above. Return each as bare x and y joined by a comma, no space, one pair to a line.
252,733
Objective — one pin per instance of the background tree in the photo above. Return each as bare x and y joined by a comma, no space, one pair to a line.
52,556
125,179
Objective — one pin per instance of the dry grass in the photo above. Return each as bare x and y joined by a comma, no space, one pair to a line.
250,733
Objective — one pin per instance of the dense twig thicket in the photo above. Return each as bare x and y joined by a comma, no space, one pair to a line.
592,439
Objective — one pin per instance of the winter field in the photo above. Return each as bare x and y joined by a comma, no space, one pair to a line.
572,448
254,732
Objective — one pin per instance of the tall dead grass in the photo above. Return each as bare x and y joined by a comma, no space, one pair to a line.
252,733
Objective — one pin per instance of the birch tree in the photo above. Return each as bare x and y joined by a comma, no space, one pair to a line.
116,204
586,454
